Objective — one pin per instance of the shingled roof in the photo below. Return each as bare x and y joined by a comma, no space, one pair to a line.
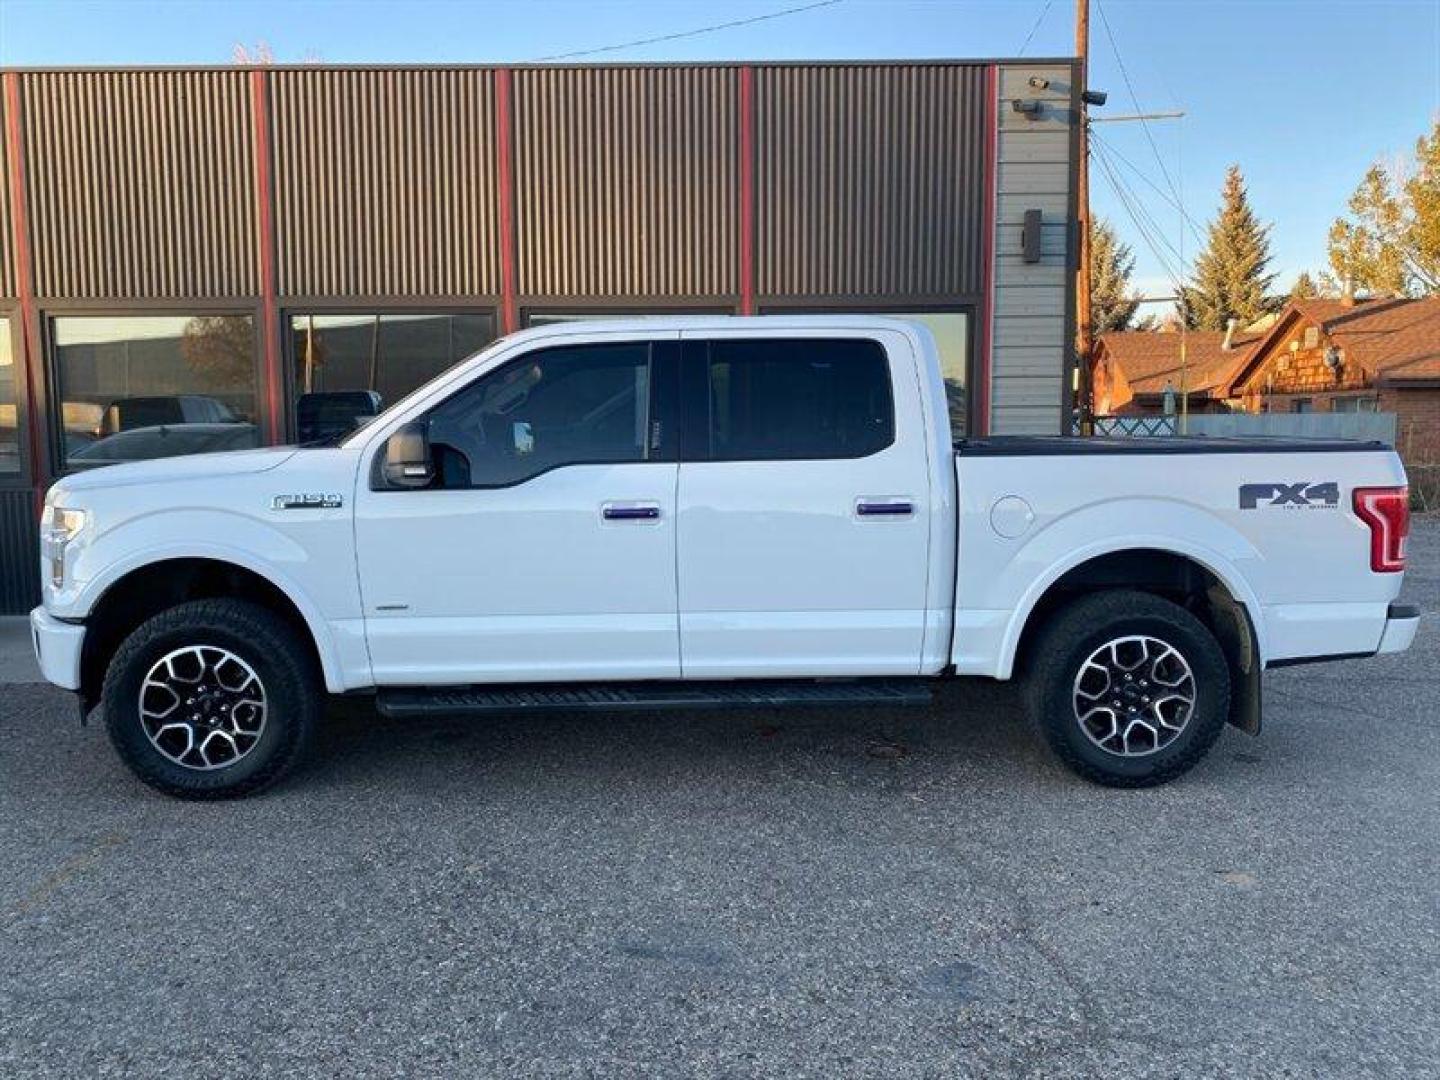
1393,341
1150,360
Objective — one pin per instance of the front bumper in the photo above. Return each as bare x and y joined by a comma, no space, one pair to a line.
58,646
1401,622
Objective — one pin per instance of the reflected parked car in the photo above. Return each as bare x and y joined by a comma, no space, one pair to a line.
129,413
164,440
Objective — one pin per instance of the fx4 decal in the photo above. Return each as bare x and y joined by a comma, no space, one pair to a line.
1323,496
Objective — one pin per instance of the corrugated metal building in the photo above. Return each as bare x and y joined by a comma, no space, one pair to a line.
188,257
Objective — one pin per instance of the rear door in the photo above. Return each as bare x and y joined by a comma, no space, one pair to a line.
802,507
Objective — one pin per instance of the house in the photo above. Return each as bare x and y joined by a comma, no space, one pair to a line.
1350,356
1132,369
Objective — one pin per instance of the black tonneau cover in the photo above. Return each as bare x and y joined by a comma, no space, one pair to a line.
1075,445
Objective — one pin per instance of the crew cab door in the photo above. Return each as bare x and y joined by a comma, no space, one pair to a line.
803,506
544,546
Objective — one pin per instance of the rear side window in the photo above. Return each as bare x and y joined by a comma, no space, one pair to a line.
791,399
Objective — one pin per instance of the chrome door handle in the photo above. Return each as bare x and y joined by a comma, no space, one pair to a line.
630,512
884,508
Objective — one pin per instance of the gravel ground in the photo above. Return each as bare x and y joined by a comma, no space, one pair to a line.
897,893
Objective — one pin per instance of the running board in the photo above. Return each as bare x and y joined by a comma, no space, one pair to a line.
406,702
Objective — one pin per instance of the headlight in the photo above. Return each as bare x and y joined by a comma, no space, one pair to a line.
58,526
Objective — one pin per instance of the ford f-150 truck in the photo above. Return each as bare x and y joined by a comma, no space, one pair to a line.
692,512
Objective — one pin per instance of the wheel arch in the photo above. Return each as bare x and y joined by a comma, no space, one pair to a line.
139,592
1198,579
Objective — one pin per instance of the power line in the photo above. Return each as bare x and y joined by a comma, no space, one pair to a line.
1135,100
690,33
1039,19
1137,206
1139,217
1169,199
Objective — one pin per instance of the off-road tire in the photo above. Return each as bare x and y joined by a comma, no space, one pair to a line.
280,658
1073,633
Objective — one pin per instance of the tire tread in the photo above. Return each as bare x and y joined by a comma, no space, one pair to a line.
1050,660
281,648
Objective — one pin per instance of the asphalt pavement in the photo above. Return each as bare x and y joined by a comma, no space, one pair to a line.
897,893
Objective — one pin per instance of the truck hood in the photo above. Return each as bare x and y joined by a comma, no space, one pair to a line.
164,470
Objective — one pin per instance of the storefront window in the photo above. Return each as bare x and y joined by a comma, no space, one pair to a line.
952,338
550,318
349,367
9,406
133,387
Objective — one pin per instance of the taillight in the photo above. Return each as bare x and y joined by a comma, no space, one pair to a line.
1387,511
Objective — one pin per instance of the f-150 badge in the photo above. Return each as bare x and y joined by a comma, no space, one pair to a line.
307,501
1304,495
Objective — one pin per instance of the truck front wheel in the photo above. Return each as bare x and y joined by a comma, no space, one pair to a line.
211,699
1128,689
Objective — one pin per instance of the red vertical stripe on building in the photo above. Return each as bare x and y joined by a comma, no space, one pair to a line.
984,366
25,284
265,223
505,138
747,191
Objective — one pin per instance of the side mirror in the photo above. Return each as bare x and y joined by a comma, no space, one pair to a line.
406,462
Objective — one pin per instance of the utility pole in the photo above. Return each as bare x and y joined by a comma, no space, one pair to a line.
1082,272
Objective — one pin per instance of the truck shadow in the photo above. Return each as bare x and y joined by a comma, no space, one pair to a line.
970,724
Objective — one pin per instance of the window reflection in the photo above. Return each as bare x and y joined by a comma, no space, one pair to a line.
952,338
9,406
135,387
349,367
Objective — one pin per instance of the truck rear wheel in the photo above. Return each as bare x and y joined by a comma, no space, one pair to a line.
1128,689
211,699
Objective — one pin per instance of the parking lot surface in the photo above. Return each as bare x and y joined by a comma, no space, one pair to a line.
762,894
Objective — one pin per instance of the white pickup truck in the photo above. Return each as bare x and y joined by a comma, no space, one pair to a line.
692,512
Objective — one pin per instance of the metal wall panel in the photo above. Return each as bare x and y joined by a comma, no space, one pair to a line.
7,251
385,182
870,180
627,181
1033,301
141,183
19,552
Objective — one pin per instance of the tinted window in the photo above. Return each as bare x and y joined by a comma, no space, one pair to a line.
9,407
951,330
564,406
789,399
147,372
349,367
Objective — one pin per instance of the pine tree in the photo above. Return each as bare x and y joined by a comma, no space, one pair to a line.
1230,279
1112,305
1321,285
1304,287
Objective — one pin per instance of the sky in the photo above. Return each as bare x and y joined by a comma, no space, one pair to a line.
1304,96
